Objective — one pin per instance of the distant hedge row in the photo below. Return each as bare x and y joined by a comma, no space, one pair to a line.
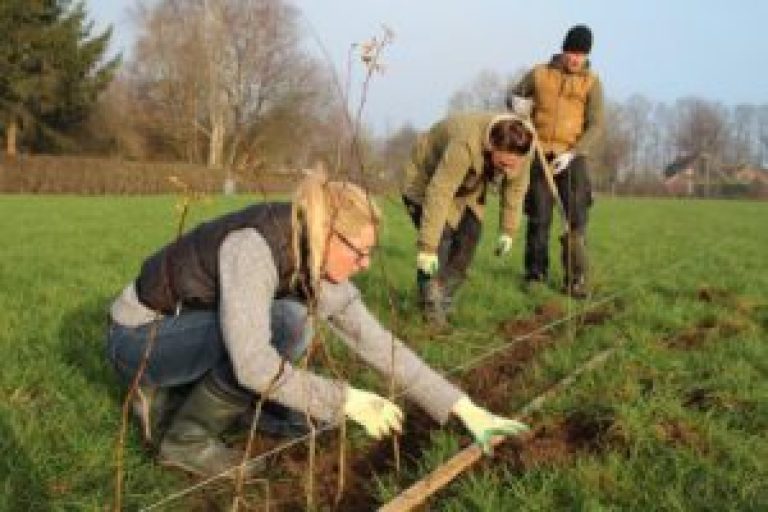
100,176
105,176
96,176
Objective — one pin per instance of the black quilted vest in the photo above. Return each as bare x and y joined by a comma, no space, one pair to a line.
185,273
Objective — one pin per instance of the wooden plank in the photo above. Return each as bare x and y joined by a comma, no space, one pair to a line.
439,478
419,492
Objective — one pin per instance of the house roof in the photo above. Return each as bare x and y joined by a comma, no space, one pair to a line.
680,164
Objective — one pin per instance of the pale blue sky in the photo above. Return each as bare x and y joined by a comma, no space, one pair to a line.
662,49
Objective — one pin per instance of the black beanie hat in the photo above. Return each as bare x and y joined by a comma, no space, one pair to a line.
578,39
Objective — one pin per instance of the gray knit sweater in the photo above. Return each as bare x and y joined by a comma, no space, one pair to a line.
248,280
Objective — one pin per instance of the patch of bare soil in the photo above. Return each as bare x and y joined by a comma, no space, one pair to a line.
496,381
703,399
560,440
738,304
288,472
679,433
760,315
706,330
712,294
597,316
493,384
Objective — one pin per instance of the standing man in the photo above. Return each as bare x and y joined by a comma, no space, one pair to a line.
565,99
447,180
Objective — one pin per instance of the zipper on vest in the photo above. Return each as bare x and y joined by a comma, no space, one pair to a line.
557,106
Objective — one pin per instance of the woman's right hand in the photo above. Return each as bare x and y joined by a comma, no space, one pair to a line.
377,415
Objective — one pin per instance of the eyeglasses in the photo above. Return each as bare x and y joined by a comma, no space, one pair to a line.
360,255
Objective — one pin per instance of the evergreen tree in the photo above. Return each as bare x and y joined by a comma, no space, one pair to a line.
51,70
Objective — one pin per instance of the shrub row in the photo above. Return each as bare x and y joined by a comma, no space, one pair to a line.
97,176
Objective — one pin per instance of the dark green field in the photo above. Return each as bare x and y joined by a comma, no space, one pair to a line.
677,419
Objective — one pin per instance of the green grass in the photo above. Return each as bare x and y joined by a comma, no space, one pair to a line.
64,258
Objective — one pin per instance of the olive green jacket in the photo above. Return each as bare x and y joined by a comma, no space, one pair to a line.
446,175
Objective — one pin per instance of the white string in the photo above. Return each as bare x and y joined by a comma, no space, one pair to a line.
250,463
468,364
465,365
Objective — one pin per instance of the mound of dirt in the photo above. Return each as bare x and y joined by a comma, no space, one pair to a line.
706,330
561,440
678,433
289,471
712,294
739,304
494,384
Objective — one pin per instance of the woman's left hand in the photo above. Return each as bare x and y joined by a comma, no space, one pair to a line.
484,425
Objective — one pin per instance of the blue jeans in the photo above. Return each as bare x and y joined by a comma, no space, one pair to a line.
189,345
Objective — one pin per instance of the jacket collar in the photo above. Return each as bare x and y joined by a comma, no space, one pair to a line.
556,62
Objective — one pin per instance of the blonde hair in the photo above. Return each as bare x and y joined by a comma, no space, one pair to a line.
320,207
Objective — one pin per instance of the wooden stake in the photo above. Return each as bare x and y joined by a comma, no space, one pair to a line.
419,492
439,478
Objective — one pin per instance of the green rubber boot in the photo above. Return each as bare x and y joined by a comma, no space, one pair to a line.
574,259
435,314
152,407
193,440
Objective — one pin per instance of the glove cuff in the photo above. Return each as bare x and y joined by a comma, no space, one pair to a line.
463,407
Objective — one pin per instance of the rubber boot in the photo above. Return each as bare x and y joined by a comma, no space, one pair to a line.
450,285
153,408
193,441
574,259
430,299
534,283
275,420
433,306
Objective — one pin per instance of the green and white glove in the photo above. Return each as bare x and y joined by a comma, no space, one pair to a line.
483,425
503,245
427,263
377,415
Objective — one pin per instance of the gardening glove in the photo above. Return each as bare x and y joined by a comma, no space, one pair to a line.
483,425
560,163
503,245
427,263
377,415
521,106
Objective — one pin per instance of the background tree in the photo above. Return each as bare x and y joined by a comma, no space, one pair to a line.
396,150
636,118
701,127
613,154
224,81
762,134
51,71
743,130
487,91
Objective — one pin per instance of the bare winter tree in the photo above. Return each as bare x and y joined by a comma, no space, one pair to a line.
213,73
743,130
614,152
660,149
396,150
486,91
762,134
636,112
701,127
